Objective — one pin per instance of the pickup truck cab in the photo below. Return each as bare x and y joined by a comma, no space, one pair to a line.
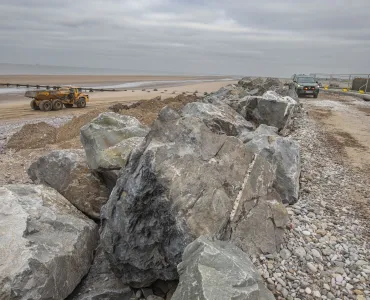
306,85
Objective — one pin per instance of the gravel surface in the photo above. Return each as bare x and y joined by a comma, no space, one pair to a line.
326,252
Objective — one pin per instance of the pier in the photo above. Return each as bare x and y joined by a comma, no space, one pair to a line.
53,87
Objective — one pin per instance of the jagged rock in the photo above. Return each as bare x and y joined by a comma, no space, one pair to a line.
186,180
258,86
261,130
101,283
230,90
272,84
284,154
46,244
249,83
216,270
270,109
68,173
109,139
221,118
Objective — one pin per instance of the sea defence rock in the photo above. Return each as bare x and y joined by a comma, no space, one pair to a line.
183,181
68,173
221,118
269,109
109,139
262,130
216,270
285,156
101,283
46,244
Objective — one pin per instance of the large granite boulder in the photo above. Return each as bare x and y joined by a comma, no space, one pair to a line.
250,83
216,270
258,86
262,130
285,155
184,181
270,109
101,283
109,139
68,173
46,244
220,118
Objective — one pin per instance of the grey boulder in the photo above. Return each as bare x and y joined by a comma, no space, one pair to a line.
284,154
216,270
186,180
68,173
101,283
262,130
109,139
46,244
270,109
258,86
220,118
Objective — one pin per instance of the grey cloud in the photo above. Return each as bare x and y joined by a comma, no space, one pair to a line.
265,37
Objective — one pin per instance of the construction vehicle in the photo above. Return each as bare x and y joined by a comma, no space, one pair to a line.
47,100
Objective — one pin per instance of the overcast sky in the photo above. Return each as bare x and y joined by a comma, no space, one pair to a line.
261,37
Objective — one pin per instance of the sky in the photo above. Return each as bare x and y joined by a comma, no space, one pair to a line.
225,37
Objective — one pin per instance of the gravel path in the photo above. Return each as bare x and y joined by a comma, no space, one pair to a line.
326,252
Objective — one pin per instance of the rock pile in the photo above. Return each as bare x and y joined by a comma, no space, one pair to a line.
219,167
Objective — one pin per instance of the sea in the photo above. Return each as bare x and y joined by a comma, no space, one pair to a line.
25,69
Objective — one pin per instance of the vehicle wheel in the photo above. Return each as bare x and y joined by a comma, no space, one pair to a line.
34,106
315,96
57,105
81,103
45,105
68,105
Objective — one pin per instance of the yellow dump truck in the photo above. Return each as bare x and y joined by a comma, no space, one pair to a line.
47,100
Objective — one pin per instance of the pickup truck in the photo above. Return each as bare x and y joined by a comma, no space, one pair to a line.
306,85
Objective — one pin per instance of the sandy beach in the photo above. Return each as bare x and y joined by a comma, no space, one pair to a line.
94,79
15,107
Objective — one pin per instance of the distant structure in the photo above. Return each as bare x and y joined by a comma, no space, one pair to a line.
360,84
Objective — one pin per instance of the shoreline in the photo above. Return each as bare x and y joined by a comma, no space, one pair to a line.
16,107
97,79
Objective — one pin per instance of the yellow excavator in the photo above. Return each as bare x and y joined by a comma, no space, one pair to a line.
47,100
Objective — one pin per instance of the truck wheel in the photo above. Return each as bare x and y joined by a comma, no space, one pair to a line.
315,96
45,105
57,105
68,105
34,106
81,103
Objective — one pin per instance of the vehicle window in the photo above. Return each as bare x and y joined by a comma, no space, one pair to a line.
306,80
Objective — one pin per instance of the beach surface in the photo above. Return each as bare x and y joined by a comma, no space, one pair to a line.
15,107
